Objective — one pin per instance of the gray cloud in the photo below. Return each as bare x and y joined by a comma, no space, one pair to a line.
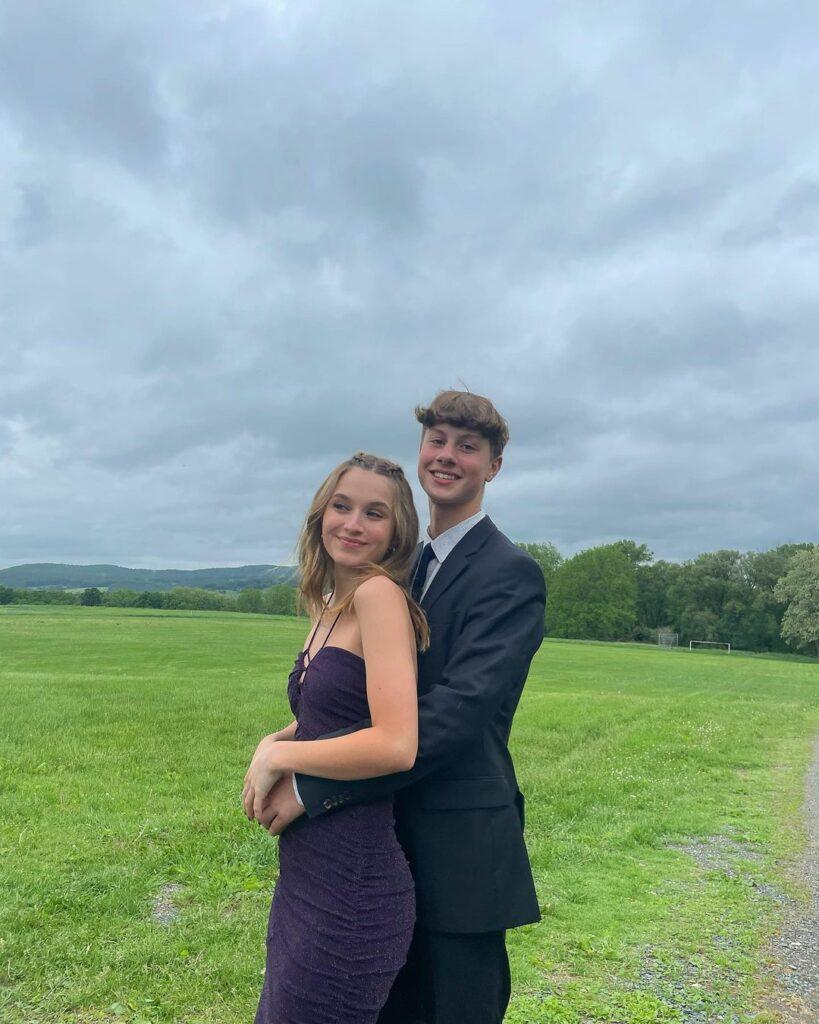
239,240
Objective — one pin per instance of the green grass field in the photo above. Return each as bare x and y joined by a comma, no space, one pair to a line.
663,804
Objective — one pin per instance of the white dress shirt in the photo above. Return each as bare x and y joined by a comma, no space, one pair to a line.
441,547
445,542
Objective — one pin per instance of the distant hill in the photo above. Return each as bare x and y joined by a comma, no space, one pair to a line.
69,577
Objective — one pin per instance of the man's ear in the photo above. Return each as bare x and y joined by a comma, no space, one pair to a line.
494,468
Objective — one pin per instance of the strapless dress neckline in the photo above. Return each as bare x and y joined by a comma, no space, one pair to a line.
327,647
299,673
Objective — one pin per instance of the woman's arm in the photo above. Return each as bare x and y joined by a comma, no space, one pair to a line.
391,743
287,733
485,668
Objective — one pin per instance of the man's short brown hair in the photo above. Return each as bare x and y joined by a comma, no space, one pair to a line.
473,412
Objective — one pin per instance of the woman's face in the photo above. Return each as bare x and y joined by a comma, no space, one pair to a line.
358,522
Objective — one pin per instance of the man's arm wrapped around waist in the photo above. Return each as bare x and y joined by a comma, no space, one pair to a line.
487,664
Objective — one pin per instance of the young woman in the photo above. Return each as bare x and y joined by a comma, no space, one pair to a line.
344,907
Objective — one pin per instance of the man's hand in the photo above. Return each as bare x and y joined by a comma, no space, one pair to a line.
281,807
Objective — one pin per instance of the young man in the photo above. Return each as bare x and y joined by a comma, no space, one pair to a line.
458,811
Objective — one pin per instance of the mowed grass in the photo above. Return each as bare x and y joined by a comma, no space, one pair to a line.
126,733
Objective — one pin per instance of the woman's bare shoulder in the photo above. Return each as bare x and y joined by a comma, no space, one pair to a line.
376,590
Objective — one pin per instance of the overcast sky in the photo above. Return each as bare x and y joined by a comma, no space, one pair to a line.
239,241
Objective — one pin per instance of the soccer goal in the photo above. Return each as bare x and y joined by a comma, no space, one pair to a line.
723,645
665,638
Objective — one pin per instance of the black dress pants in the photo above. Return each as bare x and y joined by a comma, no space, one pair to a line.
451,979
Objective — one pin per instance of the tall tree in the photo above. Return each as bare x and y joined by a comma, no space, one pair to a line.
280,600
197,599
594,596
546,555
653,584
121,598
762,622
637,554
799,590
707,598
250,600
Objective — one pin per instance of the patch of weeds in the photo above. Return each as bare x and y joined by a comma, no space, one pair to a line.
641,1008
624,1008
541,1010
696,987
132,1011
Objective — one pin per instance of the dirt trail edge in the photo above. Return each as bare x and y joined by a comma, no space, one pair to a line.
794,950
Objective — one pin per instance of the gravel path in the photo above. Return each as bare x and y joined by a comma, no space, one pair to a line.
794,951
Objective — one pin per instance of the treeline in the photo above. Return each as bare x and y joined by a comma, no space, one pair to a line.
756,600
276,600
59,576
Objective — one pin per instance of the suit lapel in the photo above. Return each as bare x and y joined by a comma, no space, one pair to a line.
457,560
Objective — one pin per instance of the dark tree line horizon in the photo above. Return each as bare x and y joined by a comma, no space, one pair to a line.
280,599
755,600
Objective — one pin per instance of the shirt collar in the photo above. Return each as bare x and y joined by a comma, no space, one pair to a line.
446,541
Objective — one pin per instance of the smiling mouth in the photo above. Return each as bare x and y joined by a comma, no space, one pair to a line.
352,543
440,475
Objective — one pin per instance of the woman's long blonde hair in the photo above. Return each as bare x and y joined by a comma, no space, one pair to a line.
316,566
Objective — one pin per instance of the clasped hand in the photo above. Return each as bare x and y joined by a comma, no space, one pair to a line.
261,777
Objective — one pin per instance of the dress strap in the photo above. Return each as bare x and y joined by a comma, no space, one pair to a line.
307,653
313,634
329,631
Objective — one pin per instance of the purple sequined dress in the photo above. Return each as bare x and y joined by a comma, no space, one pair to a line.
344,905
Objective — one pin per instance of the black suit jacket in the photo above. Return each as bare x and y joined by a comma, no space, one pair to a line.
459,812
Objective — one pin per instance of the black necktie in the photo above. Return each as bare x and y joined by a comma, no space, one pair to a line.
420,577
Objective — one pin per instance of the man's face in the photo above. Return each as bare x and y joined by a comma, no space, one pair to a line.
454,464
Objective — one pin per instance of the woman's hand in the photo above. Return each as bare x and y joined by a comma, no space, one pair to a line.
262,775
